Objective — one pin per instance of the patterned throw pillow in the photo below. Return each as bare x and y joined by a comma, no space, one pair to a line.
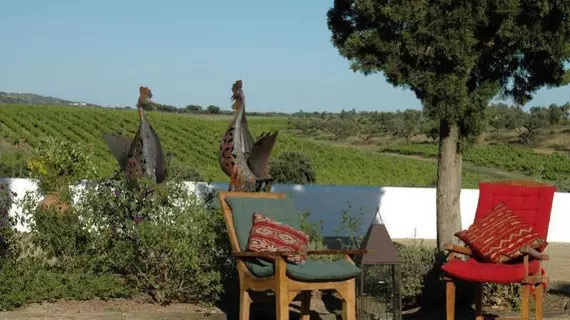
270,235
500,235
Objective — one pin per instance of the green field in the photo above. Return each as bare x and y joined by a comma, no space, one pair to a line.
552,167
194,141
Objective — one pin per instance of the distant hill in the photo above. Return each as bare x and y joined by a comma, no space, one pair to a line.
36,99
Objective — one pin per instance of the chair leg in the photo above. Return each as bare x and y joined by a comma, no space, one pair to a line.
244,305
281,291
538,297
479,301
525,301
349,301
450,299
306,305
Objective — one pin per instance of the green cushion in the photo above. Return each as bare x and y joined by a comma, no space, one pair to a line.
282,210
311,270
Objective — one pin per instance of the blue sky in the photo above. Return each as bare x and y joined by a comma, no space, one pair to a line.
190,52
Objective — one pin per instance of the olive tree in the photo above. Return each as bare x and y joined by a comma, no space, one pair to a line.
456,56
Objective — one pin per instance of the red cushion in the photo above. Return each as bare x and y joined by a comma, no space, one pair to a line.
499,236
472,270
270,235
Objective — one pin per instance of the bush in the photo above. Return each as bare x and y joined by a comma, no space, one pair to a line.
416,261
31,280
116,239
57,163
13,161
292,167
165,240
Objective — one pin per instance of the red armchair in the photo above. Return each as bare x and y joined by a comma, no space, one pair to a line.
532,203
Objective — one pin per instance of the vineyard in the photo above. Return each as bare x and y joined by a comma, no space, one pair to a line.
551,167
194,142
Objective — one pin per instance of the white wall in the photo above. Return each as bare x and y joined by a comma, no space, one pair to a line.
406,212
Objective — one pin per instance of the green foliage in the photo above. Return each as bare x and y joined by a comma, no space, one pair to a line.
56,164
416,261
29,281
551,167
213,109
195,141
409,124
306,125
456,56
177,170
504,295
118,240
166,241
292,167
339,128
13,161
314,231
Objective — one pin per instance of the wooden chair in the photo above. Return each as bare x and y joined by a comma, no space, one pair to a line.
532,202
286,280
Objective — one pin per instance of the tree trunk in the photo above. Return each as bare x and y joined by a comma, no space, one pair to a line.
448,185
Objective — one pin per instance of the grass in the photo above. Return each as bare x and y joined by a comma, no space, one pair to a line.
194,141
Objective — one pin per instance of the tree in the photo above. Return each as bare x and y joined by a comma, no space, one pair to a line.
555,115
455,56
497,115
408,124
213,109
193,108
292,167
366,128
527,124
339,128
306,125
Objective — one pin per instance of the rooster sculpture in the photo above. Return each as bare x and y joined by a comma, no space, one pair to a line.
143,155
242,159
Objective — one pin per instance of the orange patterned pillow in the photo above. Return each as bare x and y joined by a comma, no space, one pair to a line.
270,235
500,235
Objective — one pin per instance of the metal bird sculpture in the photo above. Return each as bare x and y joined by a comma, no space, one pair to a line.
242,159
143,155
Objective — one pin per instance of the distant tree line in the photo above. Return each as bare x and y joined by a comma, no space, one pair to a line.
410,123
211,109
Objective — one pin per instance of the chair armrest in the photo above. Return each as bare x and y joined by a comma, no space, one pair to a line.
533,253
267,254
344,251
272,254
457,249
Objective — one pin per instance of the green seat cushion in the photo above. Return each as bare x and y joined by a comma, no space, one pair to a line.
311,270
243,208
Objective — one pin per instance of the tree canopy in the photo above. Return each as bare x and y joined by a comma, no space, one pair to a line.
456,56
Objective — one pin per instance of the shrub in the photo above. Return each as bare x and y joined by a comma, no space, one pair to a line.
315,236
56,164
117,238
13,161
416,261
292,167
179,171
502,295
164,240
31,280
